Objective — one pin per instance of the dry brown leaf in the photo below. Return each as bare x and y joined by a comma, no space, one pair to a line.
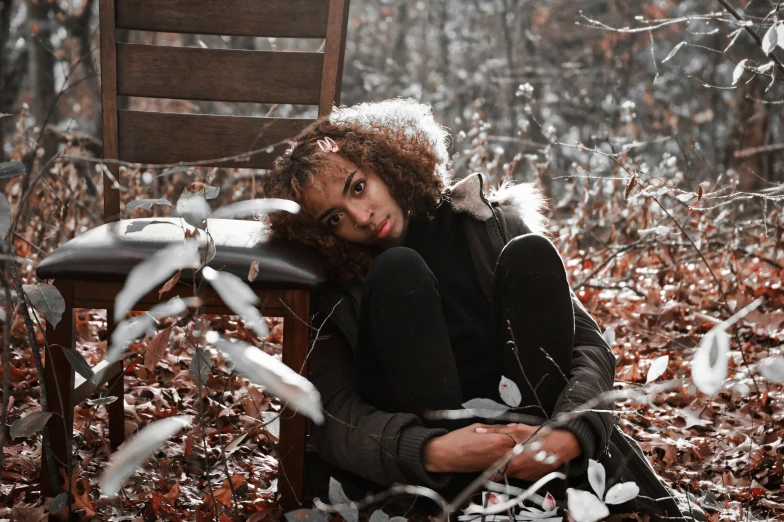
156,348
169,284
223,493
253,273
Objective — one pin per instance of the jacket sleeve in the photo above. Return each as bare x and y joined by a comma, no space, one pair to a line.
592,373
383,447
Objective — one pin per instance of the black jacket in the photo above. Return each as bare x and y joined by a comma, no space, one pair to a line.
385,447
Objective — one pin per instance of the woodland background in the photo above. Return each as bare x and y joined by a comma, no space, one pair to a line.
654,126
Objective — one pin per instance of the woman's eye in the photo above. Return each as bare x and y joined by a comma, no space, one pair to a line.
361,185
332,221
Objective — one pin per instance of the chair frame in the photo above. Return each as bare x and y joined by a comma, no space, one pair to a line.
293,304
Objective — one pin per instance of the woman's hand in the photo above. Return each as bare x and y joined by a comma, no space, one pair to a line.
465,450
544,452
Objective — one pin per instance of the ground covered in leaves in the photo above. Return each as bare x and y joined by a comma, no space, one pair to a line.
656,283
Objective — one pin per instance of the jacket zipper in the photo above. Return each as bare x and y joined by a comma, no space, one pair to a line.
495,217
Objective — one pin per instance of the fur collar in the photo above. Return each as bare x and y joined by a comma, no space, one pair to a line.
522,201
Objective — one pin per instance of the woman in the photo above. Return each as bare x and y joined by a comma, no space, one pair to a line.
436,292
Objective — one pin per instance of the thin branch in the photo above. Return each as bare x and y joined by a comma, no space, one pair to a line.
754,35
754,151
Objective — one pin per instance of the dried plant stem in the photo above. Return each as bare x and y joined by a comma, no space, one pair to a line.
39,367
6,352
720,287
513,343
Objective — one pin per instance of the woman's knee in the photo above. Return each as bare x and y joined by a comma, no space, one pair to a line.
399,266
531,253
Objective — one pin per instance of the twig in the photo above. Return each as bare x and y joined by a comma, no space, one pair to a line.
522,370
754,151
39,367
754,35
6,350
718,284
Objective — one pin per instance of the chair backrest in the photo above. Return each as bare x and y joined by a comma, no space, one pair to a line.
194,73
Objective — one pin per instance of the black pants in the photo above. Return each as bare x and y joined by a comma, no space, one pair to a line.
404,361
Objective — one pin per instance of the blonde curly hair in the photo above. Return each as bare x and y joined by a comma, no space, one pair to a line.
398,140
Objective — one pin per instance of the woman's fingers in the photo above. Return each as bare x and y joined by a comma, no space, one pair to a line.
520,430
486,428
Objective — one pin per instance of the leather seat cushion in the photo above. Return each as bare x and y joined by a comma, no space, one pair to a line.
110,251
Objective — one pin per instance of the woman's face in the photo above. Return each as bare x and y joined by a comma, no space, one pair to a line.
356,205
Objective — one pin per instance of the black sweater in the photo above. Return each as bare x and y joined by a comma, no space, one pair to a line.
443,245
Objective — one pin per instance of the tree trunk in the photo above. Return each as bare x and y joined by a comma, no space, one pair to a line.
5,101
42,63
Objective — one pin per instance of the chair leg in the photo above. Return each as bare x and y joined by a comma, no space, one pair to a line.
116,385
59,378
291,447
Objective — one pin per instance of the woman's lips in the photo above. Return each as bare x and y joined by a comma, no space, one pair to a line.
383,229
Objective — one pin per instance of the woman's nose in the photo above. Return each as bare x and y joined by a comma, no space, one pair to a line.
362,216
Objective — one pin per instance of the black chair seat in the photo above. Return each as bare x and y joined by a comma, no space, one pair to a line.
109,252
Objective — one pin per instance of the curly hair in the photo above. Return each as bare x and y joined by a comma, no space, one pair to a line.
398,140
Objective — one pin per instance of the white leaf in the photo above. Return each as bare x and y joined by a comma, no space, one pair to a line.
623,492
239,297
530,513
674,50
5,216
171,308
765,68
125,332
549,502
738,72
740,387
509,391
272,423
47,300
770,39
609,336
780,37
210,192
711,360
125,461
584,506
379,516
146,203
772,368
596,477
659,231
193,208
137,327
266,370
242,209
657,368
153,271
485,407
347,509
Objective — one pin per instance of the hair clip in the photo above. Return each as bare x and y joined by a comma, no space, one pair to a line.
328,145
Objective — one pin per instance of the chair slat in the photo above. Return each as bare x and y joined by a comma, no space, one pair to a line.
163,137
273,18
111,196
192,73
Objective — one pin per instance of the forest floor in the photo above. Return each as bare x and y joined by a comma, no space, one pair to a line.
653,290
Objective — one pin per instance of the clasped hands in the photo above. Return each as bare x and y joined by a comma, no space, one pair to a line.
479,446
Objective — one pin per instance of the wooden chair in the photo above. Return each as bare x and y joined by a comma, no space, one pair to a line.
89,270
